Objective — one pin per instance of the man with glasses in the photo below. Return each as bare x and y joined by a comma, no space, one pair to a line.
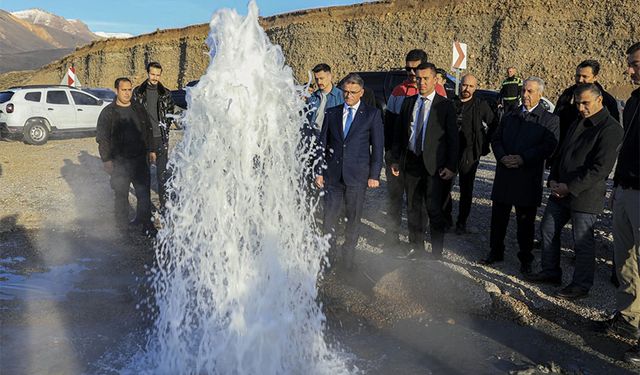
351,146
395,184
425,152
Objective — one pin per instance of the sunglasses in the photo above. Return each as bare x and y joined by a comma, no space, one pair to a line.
410,69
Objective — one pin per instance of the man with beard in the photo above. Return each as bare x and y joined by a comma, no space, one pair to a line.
578,184
159,104
326,96
586,72
476,122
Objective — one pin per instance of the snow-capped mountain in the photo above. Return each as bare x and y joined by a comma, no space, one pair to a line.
32,38
113,35
48,20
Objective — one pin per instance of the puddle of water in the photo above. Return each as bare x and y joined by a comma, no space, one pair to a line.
53,284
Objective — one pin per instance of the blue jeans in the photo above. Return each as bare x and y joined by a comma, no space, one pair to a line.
555,218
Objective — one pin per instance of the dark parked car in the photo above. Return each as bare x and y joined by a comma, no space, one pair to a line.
101,93
180,96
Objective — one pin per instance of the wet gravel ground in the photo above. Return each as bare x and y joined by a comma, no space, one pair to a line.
394,315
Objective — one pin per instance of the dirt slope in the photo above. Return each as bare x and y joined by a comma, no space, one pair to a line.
539,37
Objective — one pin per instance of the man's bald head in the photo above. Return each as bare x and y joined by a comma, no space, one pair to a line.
468,86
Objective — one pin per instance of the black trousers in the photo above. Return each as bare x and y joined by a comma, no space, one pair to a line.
134,171
465,181
352,199
424,190
162,174
525,219
395,191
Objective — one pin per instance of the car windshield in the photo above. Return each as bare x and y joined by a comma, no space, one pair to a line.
5,96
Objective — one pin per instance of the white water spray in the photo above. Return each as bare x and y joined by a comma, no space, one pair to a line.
239,255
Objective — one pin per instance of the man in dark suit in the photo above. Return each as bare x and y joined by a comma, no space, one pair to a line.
525,137
425,150
351,144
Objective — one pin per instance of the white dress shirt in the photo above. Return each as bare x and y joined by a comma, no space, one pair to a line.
345,113
416,109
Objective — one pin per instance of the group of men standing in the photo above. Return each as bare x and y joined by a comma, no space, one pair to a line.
132,135
428,139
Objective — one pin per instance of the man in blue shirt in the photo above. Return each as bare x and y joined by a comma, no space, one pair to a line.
326,96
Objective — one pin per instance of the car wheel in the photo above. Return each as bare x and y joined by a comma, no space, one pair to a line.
36,132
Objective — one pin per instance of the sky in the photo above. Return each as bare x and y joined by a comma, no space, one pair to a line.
145,16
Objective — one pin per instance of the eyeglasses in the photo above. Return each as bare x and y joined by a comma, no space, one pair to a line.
346,93
409,69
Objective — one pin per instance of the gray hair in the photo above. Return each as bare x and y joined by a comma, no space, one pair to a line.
353,78
538,80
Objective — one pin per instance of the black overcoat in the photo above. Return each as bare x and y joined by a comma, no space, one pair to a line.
532,135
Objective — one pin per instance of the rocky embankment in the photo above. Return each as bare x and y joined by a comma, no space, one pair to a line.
539,37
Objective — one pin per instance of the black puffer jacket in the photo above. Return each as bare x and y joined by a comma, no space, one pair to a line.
476,124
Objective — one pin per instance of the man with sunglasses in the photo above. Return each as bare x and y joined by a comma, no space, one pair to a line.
395,184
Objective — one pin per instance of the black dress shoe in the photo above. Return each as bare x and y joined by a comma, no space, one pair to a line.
543,278
414,253
572,292
525,269
491,259
616,326
632,355
537,244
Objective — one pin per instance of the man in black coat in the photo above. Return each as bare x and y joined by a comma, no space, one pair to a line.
159,104
577,182
476,122
586,72
525,138
425,150
125,145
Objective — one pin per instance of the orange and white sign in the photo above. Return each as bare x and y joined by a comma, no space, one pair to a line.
459,56
70,78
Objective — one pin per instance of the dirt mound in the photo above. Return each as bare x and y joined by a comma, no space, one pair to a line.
540,37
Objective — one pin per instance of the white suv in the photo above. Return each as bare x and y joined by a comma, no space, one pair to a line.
37,111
